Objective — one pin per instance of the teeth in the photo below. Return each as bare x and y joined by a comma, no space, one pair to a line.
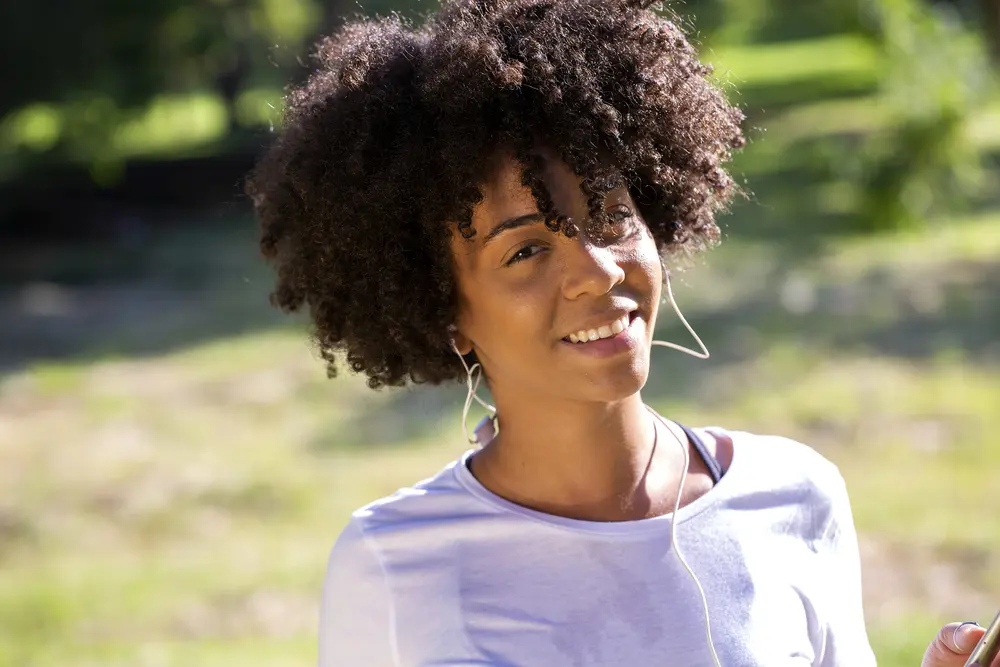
606,331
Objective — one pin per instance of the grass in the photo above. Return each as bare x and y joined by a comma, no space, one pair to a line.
177,507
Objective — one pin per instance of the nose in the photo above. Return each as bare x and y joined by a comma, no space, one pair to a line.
590,270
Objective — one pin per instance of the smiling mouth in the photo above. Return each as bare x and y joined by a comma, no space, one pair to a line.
609,330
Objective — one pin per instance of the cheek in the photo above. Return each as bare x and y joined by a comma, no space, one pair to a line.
649,270
527,307
514,312
648,261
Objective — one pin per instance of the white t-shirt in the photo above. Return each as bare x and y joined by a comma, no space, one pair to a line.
446,573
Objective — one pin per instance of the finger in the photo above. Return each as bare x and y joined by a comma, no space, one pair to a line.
961,638
952,645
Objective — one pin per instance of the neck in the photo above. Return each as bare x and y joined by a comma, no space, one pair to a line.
591,461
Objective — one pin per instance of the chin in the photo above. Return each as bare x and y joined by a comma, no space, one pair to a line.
616,384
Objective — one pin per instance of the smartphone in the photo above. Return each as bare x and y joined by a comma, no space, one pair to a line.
988,647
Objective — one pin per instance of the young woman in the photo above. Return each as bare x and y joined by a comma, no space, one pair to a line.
492,196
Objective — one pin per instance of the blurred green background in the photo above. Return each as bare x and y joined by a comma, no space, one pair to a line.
174,465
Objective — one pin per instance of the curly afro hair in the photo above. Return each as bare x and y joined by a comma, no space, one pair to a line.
383,150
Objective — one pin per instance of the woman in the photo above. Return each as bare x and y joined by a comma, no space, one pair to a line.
491,196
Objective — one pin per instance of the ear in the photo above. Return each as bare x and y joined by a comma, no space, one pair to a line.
462,342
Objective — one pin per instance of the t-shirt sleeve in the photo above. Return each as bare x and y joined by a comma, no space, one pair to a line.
356,617
843,640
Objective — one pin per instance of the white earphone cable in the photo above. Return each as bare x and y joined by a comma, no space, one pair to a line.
704,350
472,395
676,547
687,462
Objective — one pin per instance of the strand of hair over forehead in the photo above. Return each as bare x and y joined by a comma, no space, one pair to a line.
519,61
508,36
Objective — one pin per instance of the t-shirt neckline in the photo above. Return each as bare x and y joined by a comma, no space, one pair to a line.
663,522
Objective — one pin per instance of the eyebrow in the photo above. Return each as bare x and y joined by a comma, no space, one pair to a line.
513,223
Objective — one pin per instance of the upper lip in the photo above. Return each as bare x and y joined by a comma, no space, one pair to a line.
599,321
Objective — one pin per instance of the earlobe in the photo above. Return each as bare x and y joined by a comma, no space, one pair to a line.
461,344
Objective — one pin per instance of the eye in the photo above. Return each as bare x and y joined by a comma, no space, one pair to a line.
527,252
621,222
621,214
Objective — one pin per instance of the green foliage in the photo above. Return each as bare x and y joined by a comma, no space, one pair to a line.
115,80
794,64
936,81
744,22
91,73
131,51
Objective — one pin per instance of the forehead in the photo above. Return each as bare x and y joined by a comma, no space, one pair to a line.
504,196
503,183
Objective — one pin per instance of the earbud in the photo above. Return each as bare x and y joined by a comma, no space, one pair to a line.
486,428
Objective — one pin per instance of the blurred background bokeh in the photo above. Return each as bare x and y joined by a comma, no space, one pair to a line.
174,464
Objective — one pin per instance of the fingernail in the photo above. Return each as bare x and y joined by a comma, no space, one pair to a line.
965,640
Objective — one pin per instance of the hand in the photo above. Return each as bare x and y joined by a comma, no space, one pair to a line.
951,648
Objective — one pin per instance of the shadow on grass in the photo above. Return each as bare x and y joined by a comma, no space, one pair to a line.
952,312
145,293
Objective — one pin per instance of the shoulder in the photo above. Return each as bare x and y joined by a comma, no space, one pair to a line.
435,498
774,455
353,556
363,548
777,471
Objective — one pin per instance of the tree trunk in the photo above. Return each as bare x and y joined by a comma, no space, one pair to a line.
991,26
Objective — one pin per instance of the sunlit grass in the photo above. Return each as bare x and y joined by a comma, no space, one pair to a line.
971,239
913,439
178,508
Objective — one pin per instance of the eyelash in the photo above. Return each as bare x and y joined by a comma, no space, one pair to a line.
619,215
624,211
516,257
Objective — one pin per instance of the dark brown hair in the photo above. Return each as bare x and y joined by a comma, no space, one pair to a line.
383,149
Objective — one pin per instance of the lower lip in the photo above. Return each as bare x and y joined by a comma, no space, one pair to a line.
609,347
